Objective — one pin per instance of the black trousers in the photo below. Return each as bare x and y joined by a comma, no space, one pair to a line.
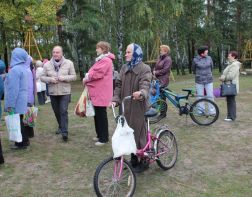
24,132
1,153
41,97
60,107
101,123
231,107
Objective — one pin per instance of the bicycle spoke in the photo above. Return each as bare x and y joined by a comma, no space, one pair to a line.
167,150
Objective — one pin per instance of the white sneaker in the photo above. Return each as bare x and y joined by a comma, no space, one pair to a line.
228,119
95,139
100,143
48,101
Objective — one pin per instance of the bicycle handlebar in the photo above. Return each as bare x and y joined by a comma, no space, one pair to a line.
124,99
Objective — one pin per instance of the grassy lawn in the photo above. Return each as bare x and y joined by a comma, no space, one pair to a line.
213,161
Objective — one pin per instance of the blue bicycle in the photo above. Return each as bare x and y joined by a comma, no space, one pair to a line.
202,111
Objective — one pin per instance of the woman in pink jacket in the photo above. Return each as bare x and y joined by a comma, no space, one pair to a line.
99,81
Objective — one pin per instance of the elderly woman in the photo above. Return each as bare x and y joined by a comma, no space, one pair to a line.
134,79
16,91
163,66
99,81
231,74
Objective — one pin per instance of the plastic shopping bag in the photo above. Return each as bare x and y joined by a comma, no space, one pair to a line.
123,140
30,117
89,109
13,127
80,109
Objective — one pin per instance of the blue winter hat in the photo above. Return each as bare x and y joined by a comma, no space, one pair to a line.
2,67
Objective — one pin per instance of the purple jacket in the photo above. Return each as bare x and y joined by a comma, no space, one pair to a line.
31,85
162,70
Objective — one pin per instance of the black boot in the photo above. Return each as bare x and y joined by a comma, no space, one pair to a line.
1,154
142,166
134,160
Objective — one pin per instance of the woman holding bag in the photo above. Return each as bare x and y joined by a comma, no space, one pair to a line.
231,74
99,81
16,91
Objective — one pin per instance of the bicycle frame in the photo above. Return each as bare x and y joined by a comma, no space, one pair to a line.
172,97
140,152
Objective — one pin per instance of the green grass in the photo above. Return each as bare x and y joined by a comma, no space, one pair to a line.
213,161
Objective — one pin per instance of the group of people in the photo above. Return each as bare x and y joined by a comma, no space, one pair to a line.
202,68
134,79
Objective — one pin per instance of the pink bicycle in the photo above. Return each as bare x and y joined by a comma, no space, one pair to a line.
115,177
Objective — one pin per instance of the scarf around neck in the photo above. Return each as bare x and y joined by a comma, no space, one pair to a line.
57,64
101,56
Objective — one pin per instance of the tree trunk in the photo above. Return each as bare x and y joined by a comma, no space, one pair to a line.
189,56
120,36
5,49
219,59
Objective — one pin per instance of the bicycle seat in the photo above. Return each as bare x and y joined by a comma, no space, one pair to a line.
151,113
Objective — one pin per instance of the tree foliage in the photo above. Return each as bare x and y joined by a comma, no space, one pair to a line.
79,24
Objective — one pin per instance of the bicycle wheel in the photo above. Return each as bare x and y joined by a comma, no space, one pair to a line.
166,150
107,181
161,106
204,112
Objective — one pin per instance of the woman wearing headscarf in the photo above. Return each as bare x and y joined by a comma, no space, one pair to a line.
99,81
16,91
134,79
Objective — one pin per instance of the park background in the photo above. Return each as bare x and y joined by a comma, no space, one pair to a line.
78,25
213,161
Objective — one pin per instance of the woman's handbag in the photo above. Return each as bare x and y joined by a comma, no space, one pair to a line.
228,89
84,106
30,116
14,127
123,140
80,109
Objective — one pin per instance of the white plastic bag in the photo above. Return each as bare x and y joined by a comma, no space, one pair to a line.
123,140
89,109
13,127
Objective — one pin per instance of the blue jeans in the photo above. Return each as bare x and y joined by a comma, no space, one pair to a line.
209,92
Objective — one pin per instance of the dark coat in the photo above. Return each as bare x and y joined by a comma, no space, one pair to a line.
162,70
202,68
137,79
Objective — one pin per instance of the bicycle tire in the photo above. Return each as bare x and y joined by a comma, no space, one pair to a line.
108,186
161,106
166,139
200,113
